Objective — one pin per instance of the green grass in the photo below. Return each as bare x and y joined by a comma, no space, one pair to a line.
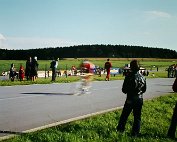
156,117
68,63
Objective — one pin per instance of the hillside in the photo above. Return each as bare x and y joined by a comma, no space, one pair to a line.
89,51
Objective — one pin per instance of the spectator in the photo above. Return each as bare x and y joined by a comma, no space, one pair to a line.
134,86
107,66
99,72
73,70
53,66
12,72
172,128
147,73
34,68
59,73
28,68
3,73
21,73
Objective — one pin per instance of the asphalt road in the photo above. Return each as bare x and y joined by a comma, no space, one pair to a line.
33,107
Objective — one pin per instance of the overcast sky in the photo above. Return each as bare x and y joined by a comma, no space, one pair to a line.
27,24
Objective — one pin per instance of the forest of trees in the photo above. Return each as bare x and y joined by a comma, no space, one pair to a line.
89,51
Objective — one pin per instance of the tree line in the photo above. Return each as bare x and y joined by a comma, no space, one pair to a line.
89,51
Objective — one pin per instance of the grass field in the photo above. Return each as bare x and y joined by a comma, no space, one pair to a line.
162,64
149,64
156,117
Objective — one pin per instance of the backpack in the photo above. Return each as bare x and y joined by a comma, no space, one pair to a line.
134,84
140,82
174,87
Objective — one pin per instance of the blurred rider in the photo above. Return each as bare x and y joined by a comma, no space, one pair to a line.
87,69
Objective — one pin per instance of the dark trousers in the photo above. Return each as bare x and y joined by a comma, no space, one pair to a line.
172,128
53,74
136,106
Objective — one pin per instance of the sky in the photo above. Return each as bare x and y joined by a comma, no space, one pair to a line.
31,24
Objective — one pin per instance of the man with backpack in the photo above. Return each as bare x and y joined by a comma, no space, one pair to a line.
172,128
53,66
134,86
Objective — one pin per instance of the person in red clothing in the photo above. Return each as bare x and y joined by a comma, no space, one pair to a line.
107,67
21,73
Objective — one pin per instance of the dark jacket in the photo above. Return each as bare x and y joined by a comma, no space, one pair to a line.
174,87
134,85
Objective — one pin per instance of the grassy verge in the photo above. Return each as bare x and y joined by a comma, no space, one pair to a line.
39,81
156,117
63,79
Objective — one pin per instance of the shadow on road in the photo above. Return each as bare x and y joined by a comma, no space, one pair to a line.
42,93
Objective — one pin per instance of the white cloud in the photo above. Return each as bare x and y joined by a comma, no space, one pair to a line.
35,42
158,14
2,37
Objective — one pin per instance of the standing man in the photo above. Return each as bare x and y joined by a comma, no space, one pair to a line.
28,68
107,67
172,128
12,72
134,86
53,66
34,69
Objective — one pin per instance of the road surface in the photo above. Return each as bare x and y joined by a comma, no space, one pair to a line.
33,107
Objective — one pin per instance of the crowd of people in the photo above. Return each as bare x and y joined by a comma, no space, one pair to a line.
30,72
172,71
